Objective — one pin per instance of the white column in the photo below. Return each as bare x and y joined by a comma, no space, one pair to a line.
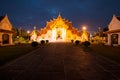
118,38
0,39
54,34
63,34
109,39
10,39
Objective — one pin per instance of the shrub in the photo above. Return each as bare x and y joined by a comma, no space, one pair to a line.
86,43
42,42
72,40
77,42
34,44
19,40
47,41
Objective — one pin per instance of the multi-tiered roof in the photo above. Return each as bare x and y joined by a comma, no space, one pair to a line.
59,21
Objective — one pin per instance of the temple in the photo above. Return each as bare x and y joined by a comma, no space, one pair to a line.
5,31
114,31
58,29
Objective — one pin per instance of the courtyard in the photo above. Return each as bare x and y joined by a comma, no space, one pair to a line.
60,61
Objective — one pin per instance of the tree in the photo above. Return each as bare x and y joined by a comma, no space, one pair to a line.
105,29
15,33
20,35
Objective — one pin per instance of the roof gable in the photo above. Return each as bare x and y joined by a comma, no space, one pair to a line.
5,23
115,23
59,22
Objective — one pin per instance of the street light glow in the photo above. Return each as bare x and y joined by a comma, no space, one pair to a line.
28,31
84,28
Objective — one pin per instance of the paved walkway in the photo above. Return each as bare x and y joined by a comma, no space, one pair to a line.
60,61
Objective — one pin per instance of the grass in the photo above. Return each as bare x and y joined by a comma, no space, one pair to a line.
8,53
110,52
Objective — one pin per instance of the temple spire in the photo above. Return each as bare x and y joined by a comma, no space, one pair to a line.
59,16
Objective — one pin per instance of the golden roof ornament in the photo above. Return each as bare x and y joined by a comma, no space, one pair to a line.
59,16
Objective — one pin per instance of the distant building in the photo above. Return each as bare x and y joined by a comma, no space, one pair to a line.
5,31
58,30
114,31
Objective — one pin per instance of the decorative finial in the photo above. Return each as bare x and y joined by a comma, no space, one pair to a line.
113,14
5,15
59,13
59,16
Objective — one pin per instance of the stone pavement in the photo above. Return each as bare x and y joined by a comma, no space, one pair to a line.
60,61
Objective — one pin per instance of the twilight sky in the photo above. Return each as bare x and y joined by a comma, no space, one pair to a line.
91,13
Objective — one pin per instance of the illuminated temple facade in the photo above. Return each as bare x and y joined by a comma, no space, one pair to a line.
58,29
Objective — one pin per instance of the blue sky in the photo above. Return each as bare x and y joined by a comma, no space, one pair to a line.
92,13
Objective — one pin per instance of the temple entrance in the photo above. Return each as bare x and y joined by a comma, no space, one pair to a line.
114,39
5,39
59,34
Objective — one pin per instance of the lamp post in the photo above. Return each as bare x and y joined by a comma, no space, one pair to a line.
84,36
99,29
99,32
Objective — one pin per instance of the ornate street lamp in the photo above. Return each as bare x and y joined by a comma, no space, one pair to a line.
84,36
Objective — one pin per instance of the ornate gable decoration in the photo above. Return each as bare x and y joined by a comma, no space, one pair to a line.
115,23
5,23
55,23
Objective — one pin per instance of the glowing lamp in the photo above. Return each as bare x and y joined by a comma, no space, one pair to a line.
84,28
28,31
